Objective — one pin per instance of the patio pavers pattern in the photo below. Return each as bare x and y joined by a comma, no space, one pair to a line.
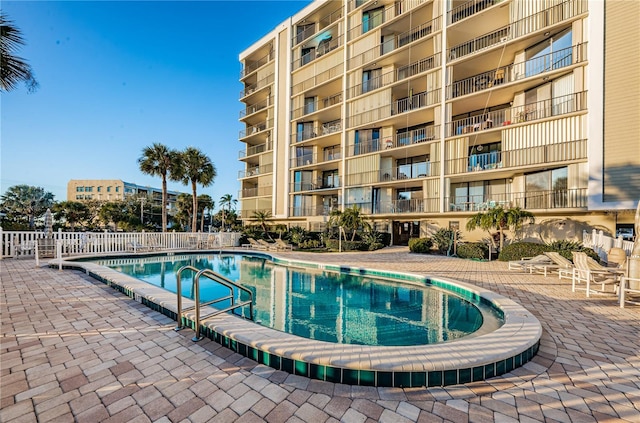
73,349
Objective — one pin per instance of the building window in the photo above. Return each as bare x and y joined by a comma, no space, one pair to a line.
99,189
547,189
372,19
371,79
108,189
79,197
552,53
79,189
304,156
330,179
413,167
117,189
303,32
366,141
88,189
307,55
302,180
309,105
485,156
304,131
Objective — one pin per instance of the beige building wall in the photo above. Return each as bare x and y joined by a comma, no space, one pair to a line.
95,189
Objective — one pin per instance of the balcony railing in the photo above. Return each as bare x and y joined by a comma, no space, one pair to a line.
255,192
529,200
414,205
251,130
316,184
395,43
550,153
517,71
324,22
416,102
255,149
326,128
396,9
255,171
556,106
253,108
468,9
309,57
311,159
317,105
311,210
250,89
318,79
253,65
403,139
399,173
527,25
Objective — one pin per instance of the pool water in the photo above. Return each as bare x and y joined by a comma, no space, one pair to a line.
320,305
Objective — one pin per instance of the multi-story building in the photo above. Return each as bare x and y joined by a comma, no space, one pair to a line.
424,112
116,189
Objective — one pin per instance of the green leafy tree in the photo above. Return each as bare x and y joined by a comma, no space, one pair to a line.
72,212
13,69
229,202
262,217
205,202
195,168
113,212
25,203
160,160
184,204
351,219
500,219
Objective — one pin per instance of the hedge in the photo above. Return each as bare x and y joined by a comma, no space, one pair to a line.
472,250
420,245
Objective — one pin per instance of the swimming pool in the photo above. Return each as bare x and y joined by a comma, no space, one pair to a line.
326,305
468,359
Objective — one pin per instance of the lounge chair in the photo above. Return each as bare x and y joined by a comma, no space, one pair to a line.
254,244
23,248
629,291
267,245
587,271
136,247
564,265
283,245
526,262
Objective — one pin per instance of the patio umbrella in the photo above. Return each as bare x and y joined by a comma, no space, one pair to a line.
48,223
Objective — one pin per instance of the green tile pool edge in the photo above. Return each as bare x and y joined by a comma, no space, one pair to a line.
377,378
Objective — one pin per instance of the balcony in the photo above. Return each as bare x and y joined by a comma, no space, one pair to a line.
314,159
403,139
575,198
256,129
317,105
324,22
469,8
324,47
405,105
255,149
556,106
318,79
252,65
254,108
394,10
538,21
535,155
518,71
255,171
250,89
311,210
326,128
316,184
400,173
399,41
255,192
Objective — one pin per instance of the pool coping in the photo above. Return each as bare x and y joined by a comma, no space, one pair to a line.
474,358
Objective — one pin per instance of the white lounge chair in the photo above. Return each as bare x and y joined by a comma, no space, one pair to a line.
589,272
526,262
629,291
564,265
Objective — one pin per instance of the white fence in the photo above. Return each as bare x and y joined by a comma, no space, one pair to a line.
601,243
118,242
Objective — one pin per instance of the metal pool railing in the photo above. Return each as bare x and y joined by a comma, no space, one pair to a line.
216,277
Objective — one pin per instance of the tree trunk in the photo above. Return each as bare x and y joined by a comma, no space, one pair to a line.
194,218
164,203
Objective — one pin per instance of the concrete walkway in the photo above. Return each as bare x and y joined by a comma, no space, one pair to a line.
73,349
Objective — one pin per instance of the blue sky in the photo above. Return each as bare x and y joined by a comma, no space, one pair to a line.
116,76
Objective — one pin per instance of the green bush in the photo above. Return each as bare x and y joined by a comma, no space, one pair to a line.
420,245
518,250
333,244
565,248
375,246
472,250
310,244
443,240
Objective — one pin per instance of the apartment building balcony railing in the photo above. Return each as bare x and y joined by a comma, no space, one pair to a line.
400,40
255,129
556,106
316,184
253,108
255,192
399,173
535,155
312,159
403,139
323,48
469,8
570,198
326,128
250,89
255,149
550,16
323,23
384,16
255,171
399,74
415,102
517,71
255,64
318,79
317,105
311,210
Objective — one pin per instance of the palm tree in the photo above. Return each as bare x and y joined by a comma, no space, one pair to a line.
500,219
13,69
204,202
262,216
160,160
350,219
229,201
25,200
195,167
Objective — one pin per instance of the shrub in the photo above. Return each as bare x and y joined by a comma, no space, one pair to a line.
565,248
443,239
420,245
333,244
518,250
473,250
375,246
310,244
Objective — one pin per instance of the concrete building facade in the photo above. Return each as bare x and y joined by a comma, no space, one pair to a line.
425,112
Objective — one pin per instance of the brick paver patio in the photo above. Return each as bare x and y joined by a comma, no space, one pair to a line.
73,349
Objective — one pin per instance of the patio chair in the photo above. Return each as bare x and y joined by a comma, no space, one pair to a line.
213,241
526,262
254,244
23,248
267,245
565,267
584,272
629,291
283,245
136,247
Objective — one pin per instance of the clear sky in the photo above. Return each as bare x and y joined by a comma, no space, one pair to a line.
116,76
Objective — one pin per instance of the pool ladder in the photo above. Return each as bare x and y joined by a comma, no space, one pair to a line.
216,277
